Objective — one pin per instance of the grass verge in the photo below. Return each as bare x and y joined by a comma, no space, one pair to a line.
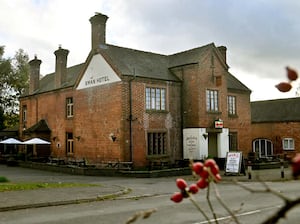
33,186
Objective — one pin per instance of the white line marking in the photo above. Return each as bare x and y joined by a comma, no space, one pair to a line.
238,215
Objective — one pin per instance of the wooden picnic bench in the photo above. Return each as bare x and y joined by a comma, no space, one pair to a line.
119,165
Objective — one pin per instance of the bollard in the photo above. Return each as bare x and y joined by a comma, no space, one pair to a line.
282,168
249,169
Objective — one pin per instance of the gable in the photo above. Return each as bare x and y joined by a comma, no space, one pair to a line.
98,72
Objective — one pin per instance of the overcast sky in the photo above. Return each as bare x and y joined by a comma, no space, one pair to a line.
261,36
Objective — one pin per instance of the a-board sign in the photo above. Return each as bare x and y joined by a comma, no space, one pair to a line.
233,163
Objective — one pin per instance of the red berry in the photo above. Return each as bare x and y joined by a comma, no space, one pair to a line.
177,197
181,184
215,169
284,86
218,177
296,165
202,183
193,188
210,163
204,174
198,167
291,74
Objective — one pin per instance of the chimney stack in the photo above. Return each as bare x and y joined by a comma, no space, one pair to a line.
34,74
98,23
61,67
223,51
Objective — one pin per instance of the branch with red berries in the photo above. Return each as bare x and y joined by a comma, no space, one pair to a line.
292,76
208,173
288,203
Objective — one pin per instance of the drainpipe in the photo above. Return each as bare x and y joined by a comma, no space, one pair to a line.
130,118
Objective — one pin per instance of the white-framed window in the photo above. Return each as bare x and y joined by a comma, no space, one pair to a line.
212,101
231,105
155,98
263,148
70,143
288,144
156,142
69,107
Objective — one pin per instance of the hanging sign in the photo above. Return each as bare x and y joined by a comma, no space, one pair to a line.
219,123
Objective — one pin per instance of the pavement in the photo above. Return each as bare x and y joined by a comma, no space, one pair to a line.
44,197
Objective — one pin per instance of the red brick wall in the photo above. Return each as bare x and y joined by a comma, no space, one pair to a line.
276,132
102,111
144,121
197,79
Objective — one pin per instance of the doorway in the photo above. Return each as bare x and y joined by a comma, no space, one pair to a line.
213,144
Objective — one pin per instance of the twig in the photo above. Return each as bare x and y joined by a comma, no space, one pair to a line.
209,203
266,190
282,212
224,205
289,203
199,208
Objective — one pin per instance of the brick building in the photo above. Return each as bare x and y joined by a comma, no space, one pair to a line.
130,105
276,127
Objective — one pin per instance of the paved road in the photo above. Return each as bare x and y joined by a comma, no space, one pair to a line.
147,193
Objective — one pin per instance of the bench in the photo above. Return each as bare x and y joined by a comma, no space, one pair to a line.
158,162
56,161
119,165
76,162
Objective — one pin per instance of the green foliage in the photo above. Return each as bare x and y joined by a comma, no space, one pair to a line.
10,119
14,80
3,179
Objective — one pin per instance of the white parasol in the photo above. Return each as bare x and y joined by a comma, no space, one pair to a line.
11,141
36,141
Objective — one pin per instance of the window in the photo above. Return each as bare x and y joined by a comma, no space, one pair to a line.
24,114
155,98
212,103
263,147
70,143
288,144
233,141
156,143
231,105
69,107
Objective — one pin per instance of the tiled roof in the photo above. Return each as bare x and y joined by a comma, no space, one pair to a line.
139,63
280,110
234,84
47,83
41,126
142,64
190,56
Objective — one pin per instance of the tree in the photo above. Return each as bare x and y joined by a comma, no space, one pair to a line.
14,80
2,126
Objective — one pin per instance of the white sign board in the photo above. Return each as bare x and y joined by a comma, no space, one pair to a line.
233,162
98,73
195,143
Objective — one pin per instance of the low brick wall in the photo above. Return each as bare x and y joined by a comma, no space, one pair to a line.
92,171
